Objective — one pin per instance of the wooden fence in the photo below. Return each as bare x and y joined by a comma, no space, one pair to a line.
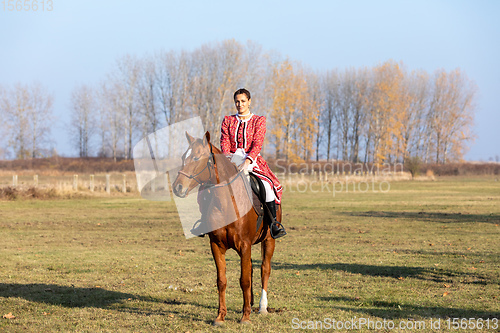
91,183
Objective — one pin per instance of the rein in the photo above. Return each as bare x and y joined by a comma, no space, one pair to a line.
212,163
208,165
239,174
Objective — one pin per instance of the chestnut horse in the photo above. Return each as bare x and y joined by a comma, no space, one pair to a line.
201,167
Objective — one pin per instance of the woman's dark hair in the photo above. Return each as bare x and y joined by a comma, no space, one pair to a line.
242,91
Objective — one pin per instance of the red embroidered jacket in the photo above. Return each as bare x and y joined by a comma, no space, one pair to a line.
249,134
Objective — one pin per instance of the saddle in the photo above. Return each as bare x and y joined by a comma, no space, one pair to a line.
259,200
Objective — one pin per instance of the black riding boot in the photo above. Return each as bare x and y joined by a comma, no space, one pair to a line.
277,229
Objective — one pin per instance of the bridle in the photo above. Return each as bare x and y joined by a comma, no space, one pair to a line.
210,162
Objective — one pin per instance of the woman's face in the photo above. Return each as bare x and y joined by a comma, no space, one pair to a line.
242,103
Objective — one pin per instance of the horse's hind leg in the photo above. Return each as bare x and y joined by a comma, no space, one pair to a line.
220,262
267,247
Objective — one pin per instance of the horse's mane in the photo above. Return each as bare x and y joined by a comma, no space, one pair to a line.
226,168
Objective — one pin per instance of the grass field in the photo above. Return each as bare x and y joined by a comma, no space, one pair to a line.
422,251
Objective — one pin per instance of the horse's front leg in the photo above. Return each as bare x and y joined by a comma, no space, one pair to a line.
267,247
246,281
219,255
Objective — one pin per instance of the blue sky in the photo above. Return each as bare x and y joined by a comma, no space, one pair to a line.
79,41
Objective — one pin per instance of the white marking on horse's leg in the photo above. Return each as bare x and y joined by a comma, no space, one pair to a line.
263,302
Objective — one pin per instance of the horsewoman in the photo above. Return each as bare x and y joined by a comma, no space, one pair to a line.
242,137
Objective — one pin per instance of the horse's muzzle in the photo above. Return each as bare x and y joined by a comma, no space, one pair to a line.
178,191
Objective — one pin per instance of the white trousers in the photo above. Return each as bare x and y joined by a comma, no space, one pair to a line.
270,196
238,158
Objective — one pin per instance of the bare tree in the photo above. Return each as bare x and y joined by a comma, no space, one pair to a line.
112,117
28,115
345,111
122,87
147,91
41,120
83,119
414,125
451,113
173,79
15,104
3,126
359,111
216,71
330,85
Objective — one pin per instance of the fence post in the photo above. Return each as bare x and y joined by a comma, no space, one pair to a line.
35,180
108,188
124,190
14,180
91,183
167,185
75,183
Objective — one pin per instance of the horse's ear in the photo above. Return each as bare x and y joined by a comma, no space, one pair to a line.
206,138
189,138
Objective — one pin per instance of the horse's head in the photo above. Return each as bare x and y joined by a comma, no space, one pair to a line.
197,166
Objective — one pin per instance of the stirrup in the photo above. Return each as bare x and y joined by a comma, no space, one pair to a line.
197,225
281,230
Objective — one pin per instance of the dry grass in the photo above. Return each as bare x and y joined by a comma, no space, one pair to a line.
63,182
464,169
422,251
11,193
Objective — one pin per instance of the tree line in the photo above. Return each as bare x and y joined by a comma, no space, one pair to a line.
380,114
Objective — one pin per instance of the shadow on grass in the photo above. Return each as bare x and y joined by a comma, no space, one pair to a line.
432,216
393,310
398,272
72,297
63,295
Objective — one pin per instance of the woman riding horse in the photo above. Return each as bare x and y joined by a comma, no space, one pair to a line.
242,136
205,165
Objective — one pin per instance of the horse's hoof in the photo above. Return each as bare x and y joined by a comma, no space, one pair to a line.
263,311
246,322
218,323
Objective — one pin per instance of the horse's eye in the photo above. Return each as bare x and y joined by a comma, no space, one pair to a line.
196,158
